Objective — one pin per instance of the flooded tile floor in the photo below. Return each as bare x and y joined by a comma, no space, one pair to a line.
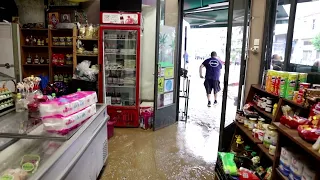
183,151
180,151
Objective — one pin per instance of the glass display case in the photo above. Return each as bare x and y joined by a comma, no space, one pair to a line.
120,56
6,96
36,154
120,60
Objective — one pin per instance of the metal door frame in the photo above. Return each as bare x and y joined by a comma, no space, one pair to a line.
175,105
227,65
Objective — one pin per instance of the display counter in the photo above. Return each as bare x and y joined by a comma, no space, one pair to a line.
80,156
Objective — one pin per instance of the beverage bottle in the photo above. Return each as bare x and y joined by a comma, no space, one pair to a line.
113,98
118,98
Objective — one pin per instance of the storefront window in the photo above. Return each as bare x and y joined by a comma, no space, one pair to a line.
306,38
280,35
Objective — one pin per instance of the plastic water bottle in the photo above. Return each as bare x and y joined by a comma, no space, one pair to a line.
19,103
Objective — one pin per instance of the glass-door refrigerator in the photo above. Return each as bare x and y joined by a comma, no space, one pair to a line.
120,58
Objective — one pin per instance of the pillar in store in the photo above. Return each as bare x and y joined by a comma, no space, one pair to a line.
171,13
258,9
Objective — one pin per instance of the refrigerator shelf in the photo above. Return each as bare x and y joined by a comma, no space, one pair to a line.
120,54
120,39
120,86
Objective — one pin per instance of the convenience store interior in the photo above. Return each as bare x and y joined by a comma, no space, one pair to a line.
265,125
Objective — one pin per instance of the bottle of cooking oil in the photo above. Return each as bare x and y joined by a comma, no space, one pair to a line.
237,146
275,106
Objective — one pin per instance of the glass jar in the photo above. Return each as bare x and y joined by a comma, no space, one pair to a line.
62,41
261,122
239,116
252,123
270,137
246,122
69,59
82,31
68,41
55,41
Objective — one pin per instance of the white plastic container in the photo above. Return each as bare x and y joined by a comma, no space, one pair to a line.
308,174
296,167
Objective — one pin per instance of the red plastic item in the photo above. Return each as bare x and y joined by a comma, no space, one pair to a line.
124,117
309,132
146,119
315,110
294,122
245,174
110,126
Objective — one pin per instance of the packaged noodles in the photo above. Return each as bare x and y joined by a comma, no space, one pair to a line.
302,79
283,82
273,86
291,85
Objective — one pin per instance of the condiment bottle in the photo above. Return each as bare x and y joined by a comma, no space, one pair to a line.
36,60
237,145
29,59
275,106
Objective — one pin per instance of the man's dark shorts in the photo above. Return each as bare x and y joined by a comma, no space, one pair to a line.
211,84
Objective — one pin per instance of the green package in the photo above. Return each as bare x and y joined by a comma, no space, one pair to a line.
302,79
229,166
283,83
291,85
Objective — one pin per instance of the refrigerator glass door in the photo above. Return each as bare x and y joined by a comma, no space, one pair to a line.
120,59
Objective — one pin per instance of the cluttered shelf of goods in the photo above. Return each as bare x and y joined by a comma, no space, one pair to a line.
281,120
40,133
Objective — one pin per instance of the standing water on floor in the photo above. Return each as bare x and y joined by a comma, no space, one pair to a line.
180,151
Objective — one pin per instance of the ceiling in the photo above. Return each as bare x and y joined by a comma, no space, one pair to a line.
211,13
214,13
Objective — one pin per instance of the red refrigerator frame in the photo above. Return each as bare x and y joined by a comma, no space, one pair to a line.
122,116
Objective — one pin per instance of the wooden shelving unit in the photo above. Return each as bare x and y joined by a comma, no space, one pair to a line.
293,135
266,114
33,50
248,133
280,175
266,151
287,137
46,51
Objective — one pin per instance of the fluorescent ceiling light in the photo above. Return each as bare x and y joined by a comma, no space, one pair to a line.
208,23
210,7
205,10
218,5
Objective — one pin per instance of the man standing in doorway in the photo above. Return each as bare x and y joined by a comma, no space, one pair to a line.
213,66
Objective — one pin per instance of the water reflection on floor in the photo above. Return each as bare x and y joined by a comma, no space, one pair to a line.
180,151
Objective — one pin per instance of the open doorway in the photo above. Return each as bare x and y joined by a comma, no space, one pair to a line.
206,30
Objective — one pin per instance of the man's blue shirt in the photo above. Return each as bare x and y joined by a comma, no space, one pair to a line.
213,67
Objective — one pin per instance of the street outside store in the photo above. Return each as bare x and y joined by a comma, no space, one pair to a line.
198,111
